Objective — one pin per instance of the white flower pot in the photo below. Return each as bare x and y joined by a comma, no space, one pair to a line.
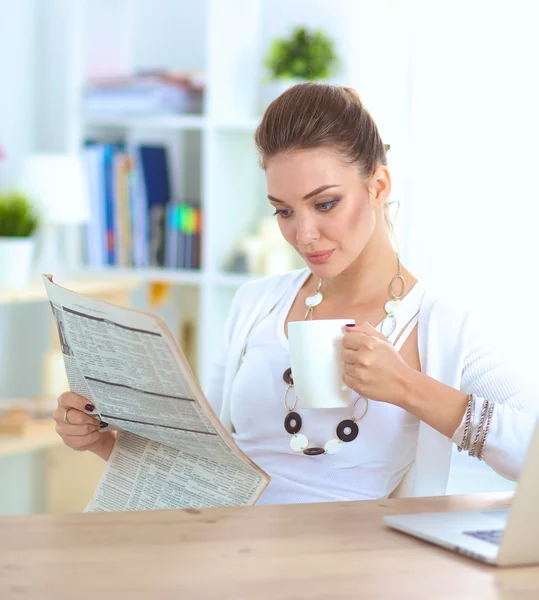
16,258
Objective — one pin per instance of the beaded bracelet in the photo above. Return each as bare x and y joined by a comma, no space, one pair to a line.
487,424
478,446
465,443
484,410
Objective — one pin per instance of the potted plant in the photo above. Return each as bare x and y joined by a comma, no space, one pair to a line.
18,223
305,55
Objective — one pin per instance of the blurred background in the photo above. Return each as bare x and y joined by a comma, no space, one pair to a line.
128,170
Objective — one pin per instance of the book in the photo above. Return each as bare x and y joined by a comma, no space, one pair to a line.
135,219
155,171
95,238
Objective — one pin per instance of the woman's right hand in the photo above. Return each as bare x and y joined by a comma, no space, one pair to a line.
78,429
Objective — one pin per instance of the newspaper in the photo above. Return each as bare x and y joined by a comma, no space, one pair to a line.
171,449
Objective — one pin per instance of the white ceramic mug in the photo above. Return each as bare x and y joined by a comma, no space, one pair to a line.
316,360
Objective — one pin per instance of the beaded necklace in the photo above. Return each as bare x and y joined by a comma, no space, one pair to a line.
347,430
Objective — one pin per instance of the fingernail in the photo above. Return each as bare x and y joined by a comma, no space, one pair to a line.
351,325
89,407
103,424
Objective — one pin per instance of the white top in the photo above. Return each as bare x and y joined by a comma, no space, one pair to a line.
371,466
452,349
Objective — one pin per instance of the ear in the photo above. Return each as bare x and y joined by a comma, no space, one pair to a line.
380,185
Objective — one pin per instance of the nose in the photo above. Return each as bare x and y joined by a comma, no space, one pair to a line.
306,231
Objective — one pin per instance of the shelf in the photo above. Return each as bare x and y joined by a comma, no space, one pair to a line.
145,274
180,276
194,122
87,283
185,122
12,444
172,122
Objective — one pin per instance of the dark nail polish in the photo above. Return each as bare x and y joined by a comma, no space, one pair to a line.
89,407
351,325
103,424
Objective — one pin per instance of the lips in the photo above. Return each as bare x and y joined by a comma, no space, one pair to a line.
318,257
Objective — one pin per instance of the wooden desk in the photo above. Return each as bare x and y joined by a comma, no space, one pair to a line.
316,551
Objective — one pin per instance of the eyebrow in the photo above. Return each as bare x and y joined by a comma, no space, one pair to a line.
315,192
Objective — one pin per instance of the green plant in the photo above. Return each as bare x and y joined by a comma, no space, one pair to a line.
18,217
305,54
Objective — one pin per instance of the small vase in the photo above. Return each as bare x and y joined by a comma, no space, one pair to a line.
16,258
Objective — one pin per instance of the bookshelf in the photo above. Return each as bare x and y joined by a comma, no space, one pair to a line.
211,155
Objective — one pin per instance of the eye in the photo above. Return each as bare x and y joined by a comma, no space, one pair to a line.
326,206
282,213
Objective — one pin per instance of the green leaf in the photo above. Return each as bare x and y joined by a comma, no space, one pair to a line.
18,218
303,55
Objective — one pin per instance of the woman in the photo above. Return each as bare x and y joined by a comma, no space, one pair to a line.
421,376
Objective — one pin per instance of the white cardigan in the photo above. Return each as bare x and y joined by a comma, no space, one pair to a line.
451,351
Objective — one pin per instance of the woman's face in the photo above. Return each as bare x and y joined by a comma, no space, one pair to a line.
323,208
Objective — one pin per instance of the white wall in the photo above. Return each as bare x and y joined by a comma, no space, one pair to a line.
473,199
17,67
474,203
474,128
20,476
17,134
34,115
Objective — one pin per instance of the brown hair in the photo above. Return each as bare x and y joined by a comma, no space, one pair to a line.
312,115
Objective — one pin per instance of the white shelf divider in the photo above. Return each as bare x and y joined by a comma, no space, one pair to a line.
146,274
178,276
164,121
173,122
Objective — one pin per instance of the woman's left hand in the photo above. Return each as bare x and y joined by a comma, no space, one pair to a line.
373,368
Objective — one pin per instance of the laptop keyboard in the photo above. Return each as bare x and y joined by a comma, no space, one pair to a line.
492,536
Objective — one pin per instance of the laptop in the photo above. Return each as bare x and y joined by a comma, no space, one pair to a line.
497,537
